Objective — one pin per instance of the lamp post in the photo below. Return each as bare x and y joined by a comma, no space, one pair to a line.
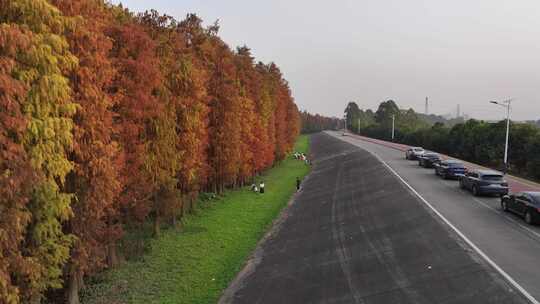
393,126
506,104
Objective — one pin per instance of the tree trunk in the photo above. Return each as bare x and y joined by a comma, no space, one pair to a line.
192,201
177,212
189,208
74,286
174,222
112,255
157,220
182,206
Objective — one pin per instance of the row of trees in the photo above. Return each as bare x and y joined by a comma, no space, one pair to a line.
312,123
110,119
473,140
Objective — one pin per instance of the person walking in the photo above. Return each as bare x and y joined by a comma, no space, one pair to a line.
297,184
261,187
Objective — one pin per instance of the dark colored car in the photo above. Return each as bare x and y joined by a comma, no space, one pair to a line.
525,204
427,160
484,182
450,169
414,152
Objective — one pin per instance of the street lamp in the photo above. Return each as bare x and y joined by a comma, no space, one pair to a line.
506,104
393,126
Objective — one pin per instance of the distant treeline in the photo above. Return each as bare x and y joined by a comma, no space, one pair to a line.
111,120
536,123
473,140
312,123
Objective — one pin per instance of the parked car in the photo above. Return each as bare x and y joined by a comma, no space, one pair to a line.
414,152
525,204
427,160
484,182
450,169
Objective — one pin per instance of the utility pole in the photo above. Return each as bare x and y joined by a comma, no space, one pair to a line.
358,126
427,107
393,126
507,134
507,104
458,113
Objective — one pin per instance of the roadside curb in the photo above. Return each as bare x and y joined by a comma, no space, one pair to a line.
470,244
255,258
391,145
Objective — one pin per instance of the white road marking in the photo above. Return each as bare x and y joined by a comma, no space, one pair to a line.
462,235
497,211
495,266
507,217
535,234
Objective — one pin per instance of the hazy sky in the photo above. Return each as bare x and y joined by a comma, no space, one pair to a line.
332,52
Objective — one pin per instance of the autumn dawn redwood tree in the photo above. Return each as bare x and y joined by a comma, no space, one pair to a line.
94,181
192,122
225,132
191,85
180,46
252,158
294,123
266,111
151,112
16,176
134,89
47,140
280,96
164,158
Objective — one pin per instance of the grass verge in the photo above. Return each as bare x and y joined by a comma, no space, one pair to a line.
195,264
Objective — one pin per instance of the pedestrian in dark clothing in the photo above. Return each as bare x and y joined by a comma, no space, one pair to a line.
261,187
297,184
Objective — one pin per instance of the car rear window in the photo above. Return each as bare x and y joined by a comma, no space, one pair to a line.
492,177
418,149
536,197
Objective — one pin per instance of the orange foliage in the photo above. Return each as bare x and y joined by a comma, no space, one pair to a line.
165,110
16,176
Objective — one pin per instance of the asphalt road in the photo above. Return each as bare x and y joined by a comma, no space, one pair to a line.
357,234
510,243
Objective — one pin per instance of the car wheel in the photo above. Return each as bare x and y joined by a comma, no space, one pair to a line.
445,176
504,206
475,191
461,184
528,218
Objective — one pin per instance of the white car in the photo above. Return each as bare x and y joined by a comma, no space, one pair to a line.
414,152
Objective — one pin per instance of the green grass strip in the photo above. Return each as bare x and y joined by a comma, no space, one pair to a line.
195,264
